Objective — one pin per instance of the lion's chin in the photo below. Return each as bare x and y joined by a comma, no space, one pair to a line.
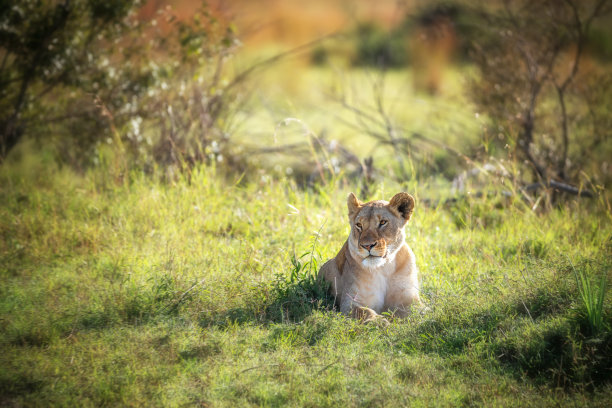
374,261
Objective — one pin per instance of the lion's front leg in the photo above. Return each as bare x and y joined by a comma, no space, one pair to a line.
330,274
402,299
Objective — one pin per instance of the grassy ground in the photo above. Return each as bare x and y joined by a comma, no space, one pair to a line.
146,293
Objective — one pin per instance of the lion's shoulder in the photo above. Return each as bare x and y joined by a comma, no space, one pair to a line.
340,258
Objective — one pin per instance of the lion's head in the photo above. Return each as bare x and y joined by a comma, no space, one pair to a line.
377,227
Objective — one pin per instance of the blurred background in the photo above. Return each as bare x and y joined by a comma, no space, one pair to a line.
447,93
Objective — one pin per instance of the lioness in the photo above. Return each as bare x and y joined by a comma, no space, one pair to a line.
375,270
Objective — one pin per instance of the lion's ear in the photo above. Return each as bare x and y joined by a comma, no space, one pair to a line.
353,204
403,205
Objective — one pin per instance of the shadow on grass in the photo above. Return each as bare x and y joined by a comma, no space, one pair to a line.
134,305
553,341
284,300
541,334
14,384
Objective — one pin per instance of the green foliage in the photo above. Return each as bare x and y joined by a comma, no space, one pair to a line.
299,294
319,56
379,48
599,41
50,50
530,58
87,77
592,298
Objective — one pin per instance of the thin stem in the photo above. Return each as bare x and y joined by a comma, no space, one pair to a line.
564,133
4,60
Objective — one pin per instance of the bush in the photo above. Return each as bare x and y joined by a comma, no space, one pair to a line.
88,74
379,48
531,58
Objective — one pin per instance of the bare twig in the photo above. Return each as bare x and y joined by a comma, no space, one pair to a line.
557,185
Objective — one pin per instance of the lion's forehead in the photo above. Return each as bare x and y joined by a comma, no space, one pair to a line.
374,211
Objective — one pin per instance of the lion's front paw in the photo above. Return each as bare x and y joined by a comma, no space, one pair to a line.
422,309
379,320
367,315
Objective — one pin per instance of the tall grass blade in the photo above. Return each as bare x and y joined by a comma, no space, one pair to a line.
592,298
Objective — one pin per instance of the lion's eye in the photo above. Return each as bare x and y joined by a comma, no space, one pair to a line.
383,222
358,225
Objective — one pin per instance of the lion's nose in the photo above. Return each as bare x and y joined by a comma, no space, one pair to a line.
368,246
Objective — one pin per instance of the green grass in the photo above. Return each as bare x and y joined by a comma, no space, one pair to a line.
592,298
201,292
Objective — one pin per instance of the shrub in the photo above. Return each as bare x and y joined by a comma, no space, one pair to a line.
531,83
379,48
88,74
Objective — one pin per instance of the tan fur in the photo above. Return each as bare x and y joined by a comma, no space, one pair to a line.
375,270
